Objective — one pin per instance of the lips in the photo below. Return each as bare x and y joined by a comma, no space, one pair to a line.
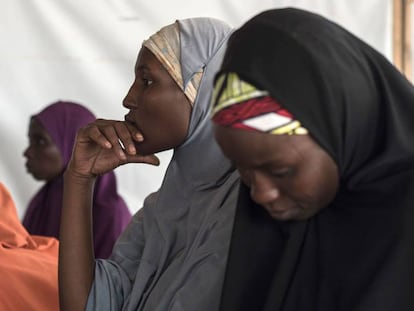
277,209
281,212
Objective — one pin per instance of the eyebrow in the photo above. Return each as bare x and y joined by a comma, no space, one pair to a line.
275,161
142,67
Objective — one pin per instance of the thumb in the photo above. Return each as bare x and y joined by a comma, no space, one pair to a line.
151,159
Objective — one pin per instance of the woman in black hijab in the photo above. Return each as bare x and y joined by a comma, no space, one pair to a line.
321,128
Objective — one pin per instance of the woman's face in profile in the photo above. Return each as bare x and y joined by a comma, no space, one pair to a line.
157,106
43,158
291,176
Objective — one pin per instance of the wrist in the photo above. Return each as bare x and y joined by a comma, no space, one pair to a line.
73,176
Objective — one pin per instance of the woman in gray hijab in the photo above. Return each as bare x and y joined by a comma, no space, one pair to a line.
172,255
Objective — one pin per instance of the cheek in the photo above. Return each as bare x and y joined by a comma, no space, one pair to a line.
175,115
315,188
164,127
322,187
48,166
53,159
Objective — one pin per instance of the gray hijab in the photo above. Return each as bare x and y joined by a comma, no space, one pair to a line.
172,255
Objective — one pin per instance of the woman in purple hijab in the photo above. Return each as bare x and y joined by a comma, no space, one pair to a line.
51,137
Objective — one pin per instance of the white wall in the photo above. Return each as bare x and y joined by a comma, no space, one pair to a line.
85,51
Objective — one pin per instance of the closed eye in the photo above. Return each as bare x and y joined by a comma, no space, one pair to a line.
281,172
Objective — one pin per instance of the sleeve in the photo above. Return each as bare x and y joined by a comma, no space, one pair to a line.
115,276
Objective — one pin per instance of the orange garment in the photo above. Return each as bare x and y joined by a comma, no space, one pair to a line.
28,264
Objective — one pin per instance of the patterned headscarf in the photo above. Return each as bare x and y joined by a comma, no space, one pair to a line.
239,104
165,45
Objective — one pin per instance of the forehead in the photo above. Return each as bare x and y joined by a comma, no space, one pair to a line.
35,127
148,61
250,149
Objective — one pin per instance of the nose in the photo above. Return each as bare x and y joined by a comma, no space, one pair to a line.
130,101
262,190
27,153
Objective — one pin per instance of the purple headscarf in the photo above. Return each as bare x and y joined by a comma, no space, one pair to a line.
110,213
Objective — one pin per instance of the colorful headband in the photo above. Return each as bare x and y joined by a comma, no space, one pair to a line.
239,104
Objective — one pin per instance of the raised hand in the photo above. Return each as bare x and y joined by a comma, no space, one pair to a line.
104,145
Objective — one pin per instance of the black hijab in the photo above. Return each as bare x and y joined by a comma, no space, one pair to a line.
358,253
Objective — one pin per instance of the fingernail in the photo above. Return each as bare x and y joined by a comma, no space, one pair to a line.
139,137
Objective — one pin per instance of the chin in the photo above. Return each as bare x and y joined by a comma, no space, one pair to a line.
37,178
142,148
148,149
293,215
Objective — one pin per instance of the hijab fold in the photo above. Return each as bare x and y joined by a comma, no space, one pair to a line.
172,255
61,120
357,253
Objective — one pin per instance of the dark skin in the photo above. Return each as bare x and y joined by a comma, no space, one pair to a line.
43,158
291,176
158,118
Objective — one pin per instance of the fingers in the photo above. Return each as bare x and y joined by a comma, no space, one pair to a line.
116,135
120,136
135,133
148,159
92,132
